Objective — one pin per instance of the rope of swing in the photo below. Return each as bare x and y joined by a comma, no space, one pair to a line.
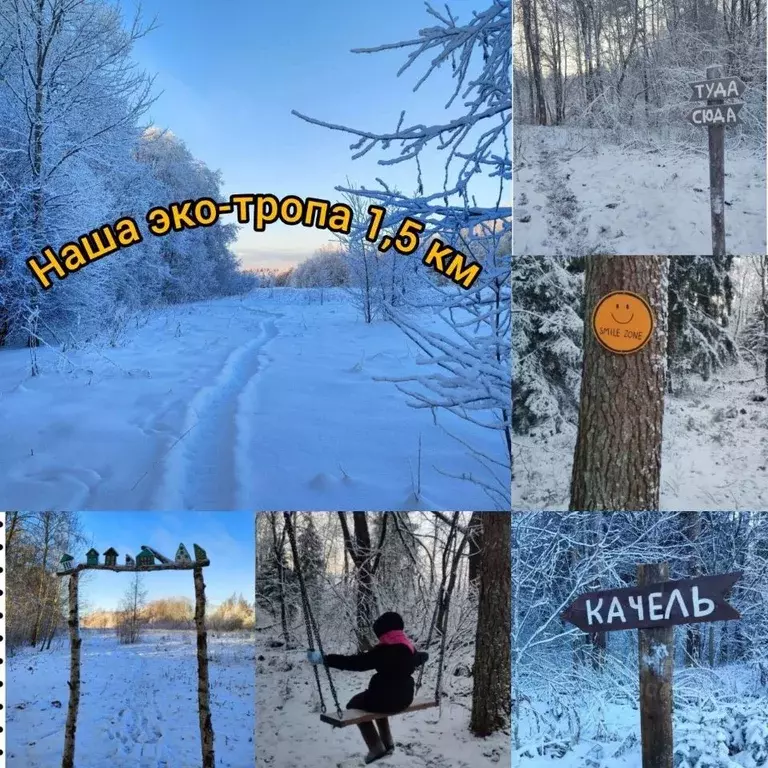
309,620
441,600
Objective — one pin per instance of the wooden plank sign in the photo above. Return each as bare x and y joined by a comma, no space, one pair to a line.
664,604
718,88
720,114
623,322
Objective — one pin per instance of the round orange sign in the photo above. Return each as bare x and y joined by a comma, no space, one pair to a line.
623,322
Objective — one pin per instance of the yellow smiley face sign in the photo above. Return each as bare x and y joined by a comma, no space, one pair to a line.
623,322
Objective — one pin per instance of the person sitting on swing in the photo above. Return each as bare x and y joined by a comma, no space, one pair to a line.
391,689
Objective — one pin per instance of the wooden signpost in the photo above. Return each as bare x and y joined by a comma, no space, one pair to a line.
145,561
716,115
654,607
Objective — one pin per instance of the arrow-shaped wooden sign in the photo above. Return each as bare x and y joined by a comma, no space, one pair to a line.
720,88
686,601
716,114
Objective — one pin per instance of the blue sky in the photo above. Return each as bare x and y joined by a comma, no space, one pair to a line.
232,71
227,537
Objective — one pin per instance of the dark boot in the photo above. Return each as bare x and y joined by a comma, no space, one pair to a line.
386,735
372,741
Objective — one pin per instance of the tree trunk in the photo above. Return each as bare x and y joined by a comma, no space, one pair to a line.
203,699
70,729
491,688
617,461
693,631
475,546
655,652
366,601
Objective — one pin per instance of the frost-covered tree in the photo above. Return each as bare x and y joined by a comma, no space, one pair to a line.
75,157
326,268
311,556
470,359
546,339
71,98
700,297
754,334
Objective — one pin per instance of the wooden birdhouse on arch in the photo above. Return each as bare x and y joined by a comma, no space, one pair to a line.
145,557
66,562
110,556
91,557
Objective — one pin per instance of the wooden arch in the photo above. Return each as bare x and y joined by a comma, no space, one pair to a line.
75,641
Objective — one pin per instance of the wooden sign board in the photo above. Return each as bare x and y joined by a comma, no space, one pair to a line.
623,322
719,88
666,604
718,114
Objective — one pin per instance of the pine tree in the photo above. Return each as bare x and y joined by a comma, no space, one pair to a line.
547,331
700,297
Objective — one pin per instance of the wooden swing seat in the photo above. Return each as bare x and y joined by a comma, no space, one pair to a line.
358,716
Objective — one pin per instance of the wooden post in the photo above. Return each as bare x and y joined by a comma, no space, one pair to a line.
717,172
655,660
68,758
203,695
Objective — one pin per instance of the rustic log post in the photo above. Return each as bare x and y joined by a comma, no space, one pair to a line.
655,660
717,172
203,691
68,758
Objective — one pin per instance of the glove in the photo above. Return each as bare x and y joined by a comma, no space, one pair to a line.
314,657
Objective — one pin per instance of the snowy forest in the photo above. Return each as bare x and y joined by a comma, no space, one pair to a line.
167,365
575,695
446,574
133,647
77,153
713,352
602,143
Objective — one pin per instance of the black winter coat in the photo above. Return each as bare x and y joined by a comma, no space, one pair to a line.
391,689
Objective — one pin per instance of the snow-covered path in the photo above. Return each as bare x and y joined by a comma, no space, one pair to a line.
268,401
210,466
576,194
138,704
290,734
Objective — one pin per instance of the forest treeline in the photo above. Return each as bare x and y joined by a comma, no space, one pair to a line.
234,613
627,63
77,154
717,315
448,575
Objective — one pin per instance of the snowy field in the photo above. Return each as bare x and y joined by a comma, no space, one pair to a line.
138,703
267,401
719,720
576,193
290,734
714,454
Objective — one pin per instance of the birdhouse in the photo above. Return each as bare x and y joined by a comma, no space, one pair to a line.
129,560
145,557
110,556
182,556
199,553
92,557
66,562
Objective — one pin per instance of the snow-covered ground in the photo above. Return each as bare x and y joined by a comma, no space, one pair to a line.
714,454
138,703
267,402
290,734
576,193
718,721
